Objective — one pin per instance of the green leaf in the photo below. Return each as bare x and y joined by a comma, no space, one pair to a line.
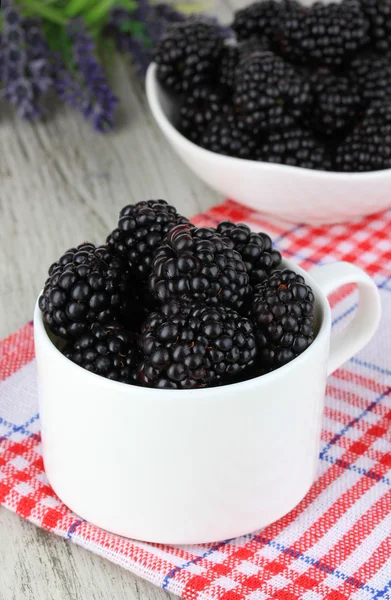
38,8
99,12
75,7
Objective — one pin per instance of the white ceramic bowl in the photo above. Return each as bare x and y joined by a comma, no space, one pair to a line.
200,465
291,193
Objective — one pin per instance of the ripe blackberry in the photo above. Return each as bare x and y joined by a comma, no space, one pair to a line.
107,350
141,228
368,147
255,249
227,68
87,284
223,136
260,19
195,346
372,74
200,108
378,13
337,104
195,264
188,55
269,93
283,315
296,147
324,34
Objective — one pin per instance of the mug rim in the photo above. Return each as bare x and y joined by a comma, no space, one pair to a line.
42,337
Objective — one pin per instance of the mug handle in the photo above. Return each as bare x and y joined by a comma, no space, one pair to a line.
366,320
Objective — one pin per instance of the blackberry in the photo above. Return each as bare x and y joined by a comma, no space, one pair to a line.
337,104
324,34
269,93
378,13
188,55
368,147
200,108
260,19
231,55
195,346
107,350
372,74
195,264
283,316
255,249
224,136
141,228
87,284
227,68
296,147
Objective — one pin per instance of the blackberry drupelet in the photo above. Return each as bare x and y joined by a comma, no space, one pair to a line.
324,34
228,63
87,284
188,55
141,228
255,249
269,93
296,147
372,74
195,264
378,13
107,350
223,136
283,316
200,107
195,346
337,104
260,19
368,147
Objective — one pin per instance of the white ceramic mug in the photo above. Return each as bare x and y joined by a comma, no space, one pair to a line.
198,465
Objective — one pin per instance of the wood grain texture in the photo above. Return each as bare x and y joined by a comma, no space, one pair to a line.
61,184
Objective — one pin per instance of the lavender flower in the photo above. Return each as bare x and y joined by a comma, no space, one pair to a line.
151,19
85,87
15,76
25,69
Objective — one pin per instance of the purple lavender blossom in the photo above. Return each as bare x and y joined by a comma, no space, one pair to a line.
18,88
85,87
155,19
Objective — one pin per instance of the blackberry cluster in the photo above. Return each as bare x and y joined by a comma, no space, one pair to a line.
268,91
290,87
87,285
166,304
324,34
191,345
141,228
195,263
378,13
260,19
296,147
223,136
338,103
107,350
283,316
368,147
188,55
371,74
256,249
199,109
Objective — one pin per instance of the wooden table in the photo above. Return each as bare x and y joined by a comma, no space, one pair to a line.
62,184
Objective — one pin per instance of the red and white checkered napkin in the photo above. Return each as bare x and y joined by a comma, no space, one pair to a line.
336,544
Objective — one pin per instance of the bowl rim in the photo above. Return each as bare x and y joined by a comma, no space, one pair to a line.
152,85
46,343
